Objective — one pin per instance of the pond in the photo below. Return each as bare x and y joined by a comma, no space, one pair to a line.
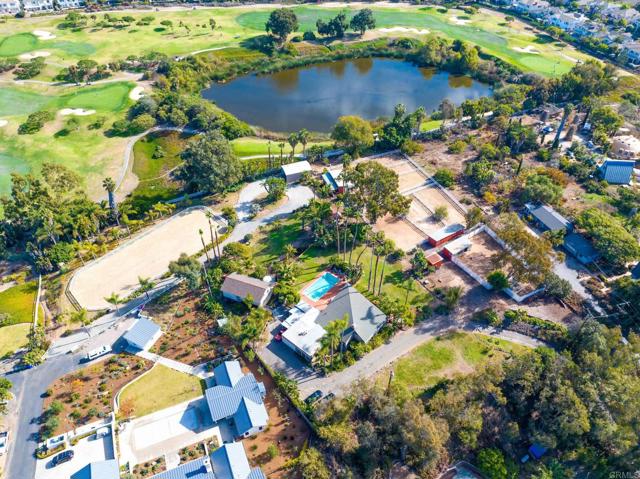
313,97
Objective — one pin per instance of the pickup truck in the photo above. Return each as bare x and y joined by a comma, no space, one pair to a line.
4,442
98,352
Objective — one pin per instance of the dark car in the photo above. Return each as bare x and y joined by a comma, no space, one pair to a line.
61,458
313,397
329,397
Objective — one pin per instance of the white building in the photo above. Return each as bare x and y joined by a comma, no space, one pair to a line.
9,7
626,147
293,171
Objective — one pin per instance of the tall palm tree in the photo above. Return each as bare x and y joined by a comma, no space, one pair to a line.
146,285
293,141
110,185
114,299
388,247
213,232
204,245
303,138
281,146
126,211
289,252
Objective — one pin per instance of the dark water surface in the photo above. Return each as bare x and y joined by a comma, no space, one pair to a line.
313,97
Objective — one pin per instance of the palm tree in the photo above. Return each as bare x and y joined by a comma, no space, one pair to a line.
420,114
216,246
204,246
281,146
303,138
114,299
126,210
388,247
293,141
452,297
333,335
289,252
146,285
110,185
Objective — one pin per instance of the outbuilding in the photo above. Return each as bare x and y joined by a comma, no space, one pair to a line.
142,334
293,171
446,234
457,246
435,260
237,287
581,248
617,172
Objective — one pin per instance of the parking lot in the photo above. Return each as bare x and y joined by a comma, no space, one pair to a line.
89,449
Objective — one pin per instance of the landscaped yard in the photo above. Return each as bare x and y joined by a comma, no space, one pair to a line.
269,243
189,335
88,393
161,388
446,356
250,146
13,337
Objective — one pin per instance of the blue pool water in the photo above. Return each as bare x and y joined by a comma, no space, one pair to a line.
321,286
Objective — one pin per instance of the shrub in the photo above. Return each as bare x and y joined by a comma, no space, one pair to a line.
35,122
272,451
308,36
441,212
498,280
457,146
445,177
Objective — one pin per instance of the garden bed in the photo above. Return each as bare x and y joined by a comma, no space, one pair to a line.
189,335
88,393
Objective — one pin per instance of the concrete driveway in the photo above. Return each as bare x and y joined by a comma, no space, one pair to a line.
168,431
86,451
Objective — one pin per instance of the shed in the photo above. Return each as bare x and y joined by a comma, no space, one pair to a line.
142,334
446,234
548,219
435,260
333,180
617,172
581,248
237,287
293,171
457,246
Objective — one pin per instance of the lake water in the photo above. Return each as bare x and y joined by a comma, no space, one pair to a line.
313,97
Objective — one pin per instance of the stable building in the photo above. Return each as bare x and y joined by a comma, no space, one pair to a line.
446,234
238,287
142,334
435,260
293,171
238,398
617,172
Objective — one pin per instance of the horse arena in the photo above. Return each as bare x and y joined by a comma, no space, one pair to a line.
146,255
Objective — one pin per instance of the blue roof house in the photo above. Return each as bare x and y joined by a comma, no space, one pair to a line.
581,248
237,397
99,470
142,334
617,172
227,462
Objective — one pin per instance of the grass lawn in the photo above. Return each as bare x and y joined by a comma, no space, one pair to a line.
13,337
251,146
430,125
448,355
269,243
17,302
159,389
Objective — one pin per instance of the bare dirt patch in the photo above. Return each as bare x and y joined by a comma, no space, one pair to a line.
401,232
189,334
480,256
88,394
432,197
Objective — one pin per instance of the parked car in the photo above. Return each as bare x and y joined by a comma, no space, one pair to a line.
98,352
313,397
278,335
4,442
329,397
64,456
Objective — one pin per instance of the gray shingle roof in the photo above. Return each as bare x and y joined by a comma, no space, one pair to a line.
141,332
365,319
580,246
549,217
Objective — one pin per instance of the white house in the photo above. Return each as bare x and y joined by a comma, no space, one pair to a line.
237,287
9,7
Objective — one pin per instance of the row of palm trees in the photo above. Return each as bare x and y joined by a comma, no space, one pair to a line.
294,139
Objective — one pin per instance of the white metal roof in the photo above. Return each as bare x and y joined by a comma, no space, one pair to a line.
305,333
296,168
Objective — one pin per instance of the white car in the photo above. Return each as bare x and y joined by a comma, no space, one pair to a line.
96,353
4,442
102,432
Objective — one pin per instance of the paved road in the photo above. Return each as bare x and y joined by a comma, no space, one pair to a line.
282,358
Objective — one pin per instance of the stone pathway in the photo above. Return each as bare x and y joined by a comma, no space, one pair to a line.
200,370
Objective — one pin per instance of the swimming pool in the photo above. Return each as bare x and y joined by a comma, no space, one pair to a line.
321,286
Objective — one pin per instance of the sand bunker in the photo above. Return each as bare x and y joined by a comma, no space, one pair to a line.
32,55
3,123
460,21
527,49
76,111
137,93
44,35
422,31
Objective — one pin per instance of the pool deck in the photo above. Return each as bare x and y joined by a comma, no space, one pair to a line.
326,298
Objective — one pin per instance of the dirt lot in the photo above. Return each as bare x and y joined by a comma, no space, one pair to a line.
147,254
189,335
479,256
432,197
286,430
401,232
89,392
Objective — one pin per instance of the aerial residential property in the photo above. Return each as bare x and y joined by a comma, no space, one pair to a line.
319,241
